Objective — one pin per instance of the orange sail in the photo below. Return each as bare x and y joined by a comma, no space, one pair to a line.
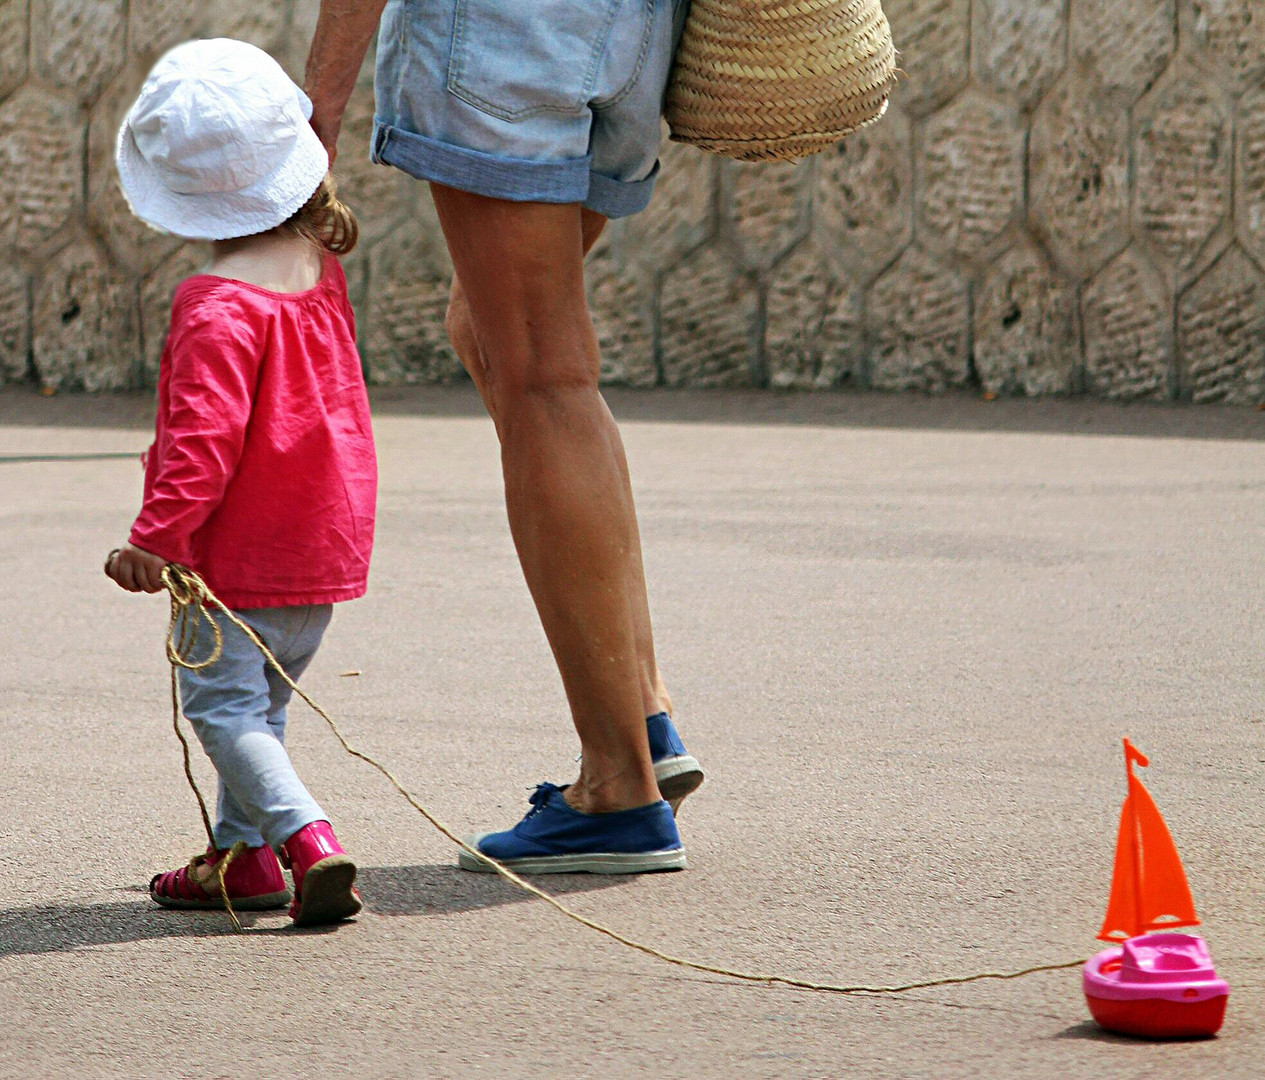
1148,888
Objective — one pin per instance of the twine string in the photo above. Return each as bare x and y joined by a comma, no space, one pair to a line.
189,593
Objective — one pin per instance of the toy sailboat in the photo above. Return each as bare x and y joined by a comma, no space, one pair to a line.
1155,985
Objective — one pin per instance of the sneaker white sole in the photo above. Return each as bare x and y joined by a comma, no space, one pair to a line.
678,776
593,863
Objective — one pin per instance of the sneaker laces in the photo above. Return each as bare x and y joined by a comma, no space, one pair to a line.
540,797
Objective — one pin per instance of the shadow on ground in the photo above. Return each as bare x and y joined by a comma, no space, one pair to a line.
1091,1032
442,889
433,889
957,411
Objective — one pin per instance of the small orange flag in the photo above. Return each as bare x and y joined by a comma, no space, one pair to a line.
1148,887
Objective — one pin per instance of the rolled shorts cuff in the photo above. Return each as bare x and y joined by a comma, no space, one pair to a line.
514,179
620,198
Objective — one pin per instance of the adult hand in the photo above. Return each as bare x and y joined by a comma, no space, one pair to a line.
327,122
135,569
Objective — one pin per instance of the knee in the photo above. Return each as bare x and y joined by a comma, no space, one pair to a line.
545,389
220,715
457,317
536,362
460,328
215,729
532,353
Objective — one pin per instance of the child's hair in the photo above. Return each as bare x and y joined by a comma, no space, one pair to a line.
325,220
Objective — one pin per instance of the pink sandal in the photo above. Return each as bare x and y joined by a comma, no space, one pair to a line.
254,881
323,876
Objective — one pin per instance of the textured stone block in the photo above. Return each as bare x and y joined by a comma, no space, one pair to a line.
78,44
157,290
1020,45
621,300
814,335
864,198
1127,324
972,173
15,324
1126,42
1184,143
13,45
260,22
682,213
1250,186
933,37
708,313
356,269
403,339
379,195
86,323
767,208
153,26
1231,33
134,246
919,315
303,16
745,273
1079,174
41,167
1221,333
1026,338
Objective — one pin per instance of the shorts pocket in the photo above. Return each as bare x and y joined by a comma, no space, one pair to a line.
519,58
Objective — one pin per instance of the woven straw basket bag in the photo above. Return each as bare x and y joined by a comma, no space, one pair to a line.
775,80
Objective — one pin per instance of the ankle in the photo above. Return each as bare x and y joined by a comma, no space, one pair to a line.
654,692
655,696
610,794
312,843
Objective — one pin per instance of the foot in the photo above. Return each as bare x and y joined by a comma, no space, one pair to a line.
323,876
677,772
554,838
253,879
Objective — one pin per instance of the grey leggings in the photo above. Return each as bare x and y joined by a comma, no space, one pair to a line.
237,706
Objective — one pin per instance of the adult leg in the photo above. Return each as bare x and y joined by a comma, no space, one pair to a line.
461,332
521,268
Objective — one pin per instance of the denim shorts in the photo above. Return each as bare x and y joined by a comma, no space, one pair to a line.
555,101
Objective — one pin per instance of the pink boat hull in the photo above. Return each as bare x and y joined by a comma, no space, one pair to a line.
1157,986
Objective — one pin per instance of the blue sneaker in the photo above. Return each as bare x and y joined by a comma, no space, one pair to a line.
677,771
555,839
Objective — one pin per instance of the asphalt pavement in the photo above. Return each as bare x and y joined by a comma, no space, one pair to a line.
904,636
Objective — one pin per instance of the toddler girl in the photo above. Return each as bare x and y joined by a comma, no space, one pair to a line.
262,476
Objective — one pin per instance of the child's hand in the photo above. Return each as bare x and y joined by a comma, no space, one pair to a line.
135,570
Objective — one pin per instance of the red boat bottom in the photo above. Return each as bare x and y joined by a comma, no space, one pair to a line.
1155,1018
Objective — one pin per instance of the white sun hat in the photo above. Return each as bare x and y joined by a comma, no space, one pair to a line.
218,144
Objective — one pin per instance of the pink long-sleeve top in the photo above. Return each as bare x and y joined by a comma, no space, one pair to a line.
262,476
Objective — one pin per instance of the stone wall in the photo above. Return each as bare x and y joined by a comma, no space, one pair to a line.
1067,196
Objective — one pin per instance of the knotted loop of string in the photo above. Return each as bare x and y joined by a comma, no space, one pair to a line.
191,597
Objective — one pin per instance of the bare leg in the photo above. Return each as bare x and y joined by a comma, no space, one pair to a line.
654,693
529,336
